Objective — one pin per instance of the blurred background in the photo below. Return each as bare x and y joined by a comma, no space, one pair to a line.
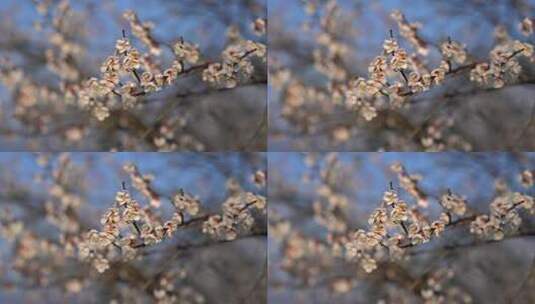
304,115
500,272
200,117
201,269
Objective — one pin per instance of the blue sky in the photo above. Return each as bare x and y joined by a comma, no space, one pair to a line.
104,22
192,172
463,24
440,171
172,171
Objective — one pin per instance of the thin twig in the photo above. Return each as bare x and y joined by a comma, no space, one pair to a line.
136,75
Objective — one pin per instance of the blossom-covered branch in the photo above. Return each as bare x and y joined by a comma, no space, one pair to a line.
60,236
406,94
146,94
404,239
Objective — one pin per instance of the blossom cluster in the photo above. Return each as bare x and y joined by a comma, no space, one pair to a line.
503,65
362,93
129,73
235,65
143,184
411,226
503,217
10,227
63,201
434,139
436,291
186,52
99,247
526,178
128,226
410,184
145,76
409,31
331,204
259,26
526,27
236,216
142,31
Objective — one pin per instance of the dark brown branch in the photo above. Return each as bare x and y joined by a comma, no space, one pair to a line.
473,244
